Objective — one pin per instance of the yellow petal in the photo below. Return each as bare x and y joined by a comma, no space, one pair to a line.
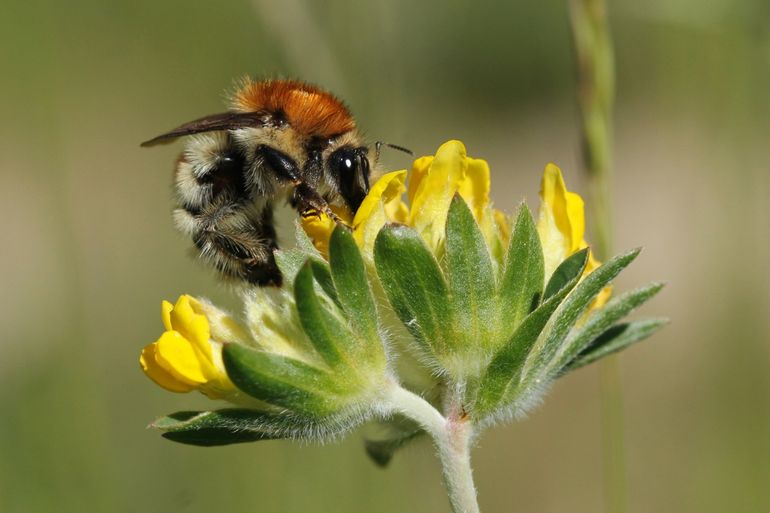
419,170
387,189
158,374
191,325
567,208
165,314
561,226
554,195
383,204
601,299
219,385
605,294
177,356
435,190
319,228
561,221
474,187
553,242
397,211
576,220
503,225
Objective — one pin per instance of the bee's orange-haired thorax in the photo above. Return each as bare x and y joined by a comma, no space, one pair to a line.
309,110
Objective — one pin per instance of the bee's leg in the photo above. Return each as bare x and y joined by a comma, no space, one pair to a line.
237,240
241,256
305,196
267,224
307,202
231,230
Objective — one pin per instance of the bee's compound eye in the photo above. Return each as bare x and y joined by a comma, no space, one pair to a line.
350,169
343,163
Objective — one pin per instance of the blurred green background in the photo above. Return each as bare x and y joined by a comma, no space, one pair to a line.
88,248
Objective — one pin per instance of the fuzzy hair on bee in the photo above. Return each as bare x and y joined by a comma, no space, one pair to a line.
281,141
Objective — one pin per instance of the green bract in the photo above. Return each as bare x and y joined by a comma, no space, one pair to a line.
331,381
489,331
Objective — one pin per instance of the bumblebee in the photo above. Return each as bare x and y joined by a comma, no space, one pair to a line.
281,140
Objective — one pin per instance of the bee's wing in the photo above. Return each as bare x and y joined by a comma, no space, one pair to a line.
214,122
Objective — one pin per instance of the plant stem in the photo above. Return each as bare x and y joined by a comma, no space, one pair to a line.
596,94
452,437
455,453
612,441
418,409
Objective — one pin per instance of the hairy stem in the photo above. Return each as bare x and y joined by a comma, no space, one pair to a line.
418,409
452,437
596,94
454,451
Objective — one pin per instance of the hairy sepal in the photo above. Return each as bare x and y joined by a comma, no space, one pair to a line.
328,333
600,321
471,283
504,373
614,339
290,261
521,285
241,425
416,289
286,382
383,439
551,345
221,427
382,451
351,283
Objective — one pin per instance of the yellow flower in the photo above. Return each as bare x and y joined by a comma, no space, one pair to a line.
561,226
186,357
319,227
382,205
433,181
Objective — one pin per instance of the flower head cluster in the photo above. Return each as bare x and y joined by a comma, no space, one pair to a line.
186,357
433,182
492,308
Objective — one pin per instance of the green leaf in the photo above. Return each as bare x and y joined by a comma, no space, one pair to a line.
382,451
281,380
471,277
505,370
221,427
614,339
414,285
327,333
303,243
323,277
601,320
289,262
352,285
567,270
522,284
571,309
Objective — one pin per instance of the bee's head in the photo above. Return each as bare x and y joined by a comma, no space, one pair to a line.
349,168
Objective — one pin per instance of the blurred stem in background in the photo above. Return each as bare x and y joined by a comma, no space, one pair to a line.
596,94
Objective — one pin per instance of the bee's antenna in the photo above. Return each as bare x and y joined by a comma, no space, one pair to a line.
379,144
400,148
